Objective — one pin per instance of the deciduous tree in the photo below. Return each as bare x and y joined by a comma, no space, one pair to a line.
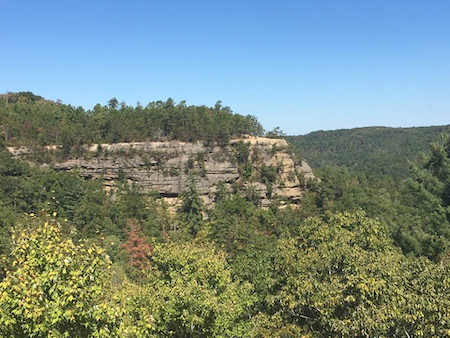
55,287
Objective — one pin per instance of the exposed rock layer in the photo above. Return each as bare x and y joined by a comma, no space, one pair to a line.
164,167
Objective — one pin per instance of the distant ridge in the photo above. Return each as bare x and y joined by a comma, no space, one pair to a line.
371,150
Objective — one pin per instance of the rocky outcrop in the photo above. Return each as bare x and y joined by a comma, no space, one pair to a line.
261,164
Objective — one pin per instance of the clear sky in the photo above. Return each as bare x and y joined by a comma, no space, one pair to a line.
300,65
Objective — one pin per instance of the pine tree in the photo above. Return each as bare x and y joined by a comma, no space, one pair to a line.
192,207
221,192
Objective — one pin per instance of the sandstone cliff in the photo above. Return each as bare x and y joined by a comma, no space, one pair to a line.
261,164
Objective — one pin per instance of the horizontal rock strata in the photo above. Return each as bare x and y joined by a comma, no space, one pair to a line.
164,166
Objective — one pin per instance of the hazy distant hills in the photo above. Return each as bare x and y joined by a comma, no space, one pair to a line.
372,150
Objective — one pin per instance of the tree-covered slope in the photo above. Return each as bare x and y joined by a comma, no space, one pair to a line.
359,255
28,119
372,150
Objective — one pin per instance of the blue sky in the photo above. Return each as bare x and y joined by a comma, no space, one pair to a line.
301,65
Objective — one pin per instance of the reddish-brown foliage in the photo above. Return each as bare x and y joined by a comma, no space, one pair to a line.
137,247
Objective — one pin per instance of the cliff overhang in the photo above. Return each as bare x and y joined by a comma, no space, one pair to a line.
262,164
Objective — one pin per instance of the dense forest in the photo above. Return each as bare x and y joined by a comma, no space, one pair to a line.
28,119
373,150
365,254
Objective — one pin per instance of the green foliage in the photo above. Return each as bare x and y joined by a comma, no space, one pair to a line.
374,151
428,190
55,287
242,152
342,278
26,119
236,223
222,192
268,174
192,207
275,133
416,217
191,293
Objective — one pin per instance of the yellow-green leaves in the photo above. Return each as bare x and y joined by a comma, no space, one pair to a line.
190,294
342,278
54,288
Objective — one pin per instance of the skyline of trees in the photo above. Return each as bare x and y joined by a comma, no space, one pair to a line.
27,119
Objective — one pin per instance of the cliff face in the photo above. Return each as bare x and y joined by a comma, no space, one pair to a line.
261,164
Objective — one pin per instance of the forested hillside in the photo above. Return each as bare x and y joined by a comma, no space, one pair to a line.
362,254
372,150
28,119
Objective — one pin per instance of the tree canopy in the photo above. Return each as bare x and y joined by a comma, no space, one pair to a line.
27,119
